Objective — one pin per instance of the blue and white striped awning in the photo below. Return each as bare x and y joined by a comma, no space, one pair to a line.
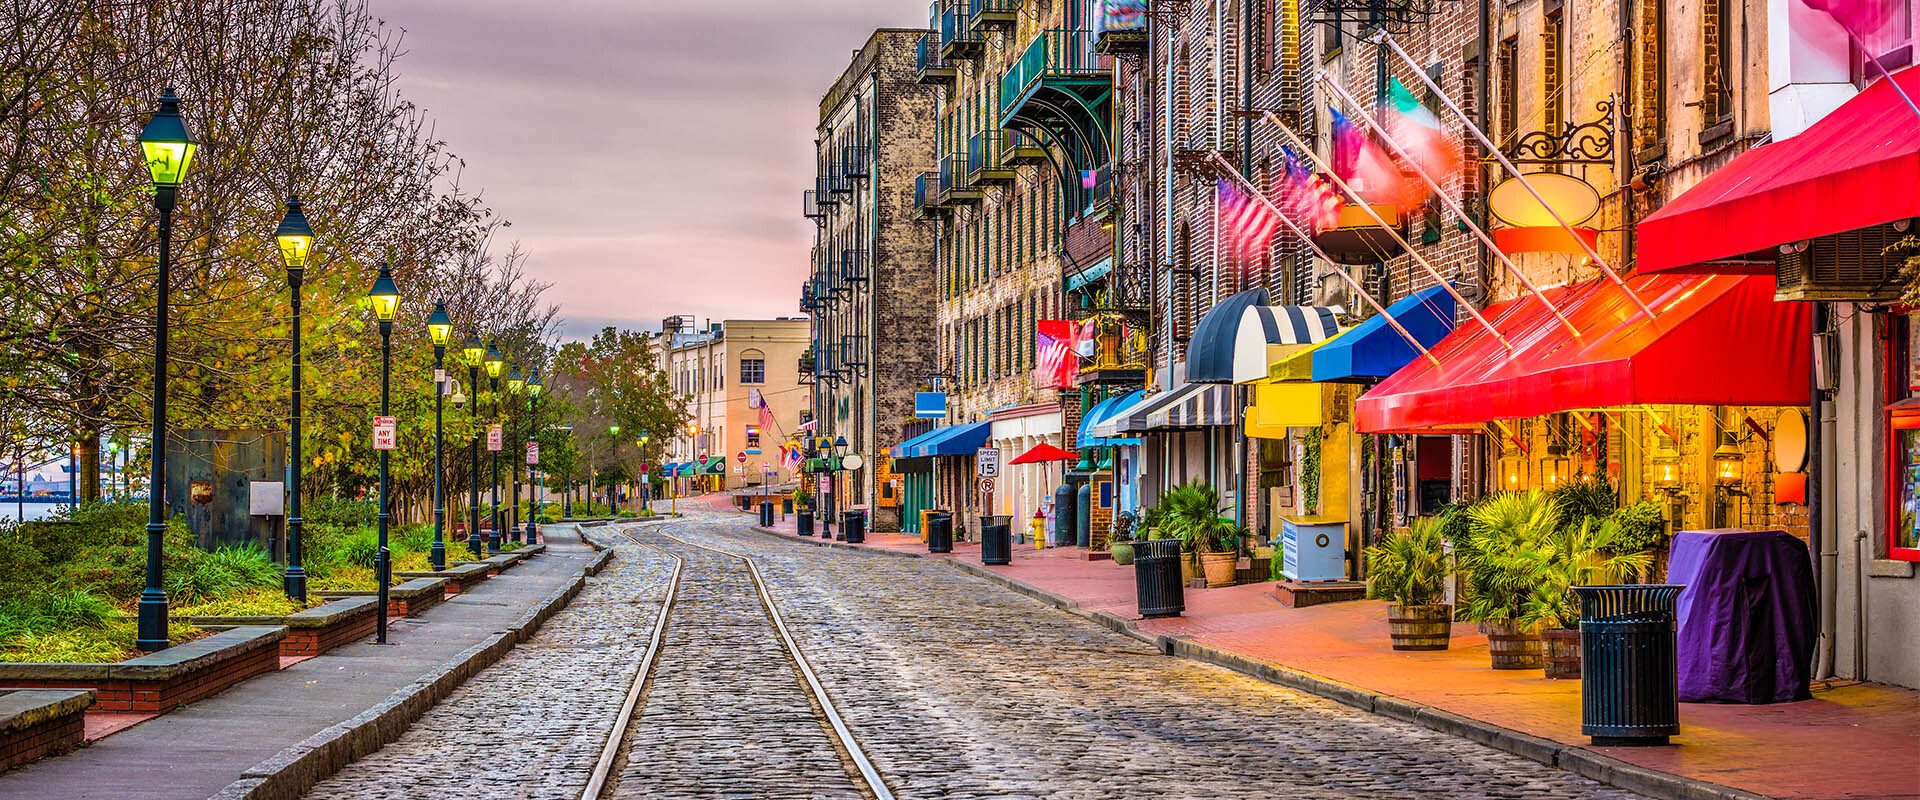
1269,333
1195,406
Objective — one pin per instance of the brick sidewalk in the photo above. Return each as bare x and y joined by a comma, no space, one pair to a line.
1852,740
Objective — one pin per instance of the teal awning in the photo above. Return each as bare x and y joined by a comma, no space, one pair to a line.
1090,274
1099,413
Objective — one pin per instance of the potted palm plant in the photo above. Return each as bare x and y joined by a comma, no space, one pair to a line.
1409,570
1575,555
1507,530
1192,513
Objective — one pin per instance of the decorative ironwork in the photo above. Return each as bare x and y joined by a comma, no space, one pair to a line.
1394,15
1581,143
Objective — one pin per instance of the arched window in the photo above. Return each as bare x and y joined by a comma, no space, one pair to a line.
753,367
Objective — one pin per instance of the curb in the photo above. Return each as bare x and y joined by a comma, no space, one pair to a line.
289,774
1578,760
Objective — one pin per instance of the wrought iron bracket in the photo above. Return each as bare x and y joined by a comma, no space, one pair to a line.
1575,143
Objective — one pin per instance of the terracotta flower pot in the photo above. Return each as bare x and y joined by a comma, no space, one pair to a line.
1513,647
1122,553
1421,627
1562,647
1219,568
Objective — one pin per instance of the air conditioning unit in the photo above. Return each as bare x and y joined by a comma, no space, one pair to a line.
1850,266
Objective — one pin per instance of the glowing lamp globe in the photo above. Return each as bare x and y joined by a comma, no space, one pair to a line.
534,384
514,381
295,237
473,350
439,325
385,295
166,144
495,362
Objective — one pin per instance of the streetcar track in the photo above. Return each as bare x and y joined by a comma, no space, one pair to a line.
847,745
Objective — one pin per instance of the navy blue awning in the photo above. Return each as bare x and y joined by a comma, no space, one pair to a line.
1210,353
953,440
1373,350
906,449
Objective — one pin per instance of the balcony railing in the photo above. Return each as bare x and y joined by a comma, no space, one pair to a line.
823,193
954,187
1053,54
810,202
853,265
984,165
1021,148
958,39
837,180
993,14
929,64
853,350
855,162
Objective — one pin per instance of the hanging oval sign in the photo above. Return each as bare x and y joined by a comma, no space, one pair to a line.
1790,440
1573,199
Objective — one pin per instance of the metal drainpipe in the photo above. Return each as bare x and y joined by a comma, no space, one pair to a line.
1825,554
873,291
1241,445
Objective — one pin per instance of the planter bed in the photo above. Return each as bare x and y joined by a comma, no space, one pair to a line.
404,599
460,577
156,682
36,723
312,631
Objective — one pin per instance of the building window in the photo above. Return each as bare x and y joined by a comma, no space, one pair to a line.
1553,46
753,370
1650,85
1892,45
1716,101
1903,417
1509,82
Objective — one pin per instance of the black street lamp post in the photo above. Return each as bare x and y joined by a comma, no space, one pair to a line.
440,329
385,297
494,363
515,384
168,150
613,487
534,387
295,237
475,354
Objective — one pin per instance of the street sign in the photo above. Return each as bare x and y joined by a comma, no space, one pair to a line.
930,405
851,461
386,433
533,454
986,486
741,457
495,440
986,462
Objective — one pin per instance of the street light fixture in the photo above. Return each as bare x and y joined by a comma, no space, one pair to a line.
168,150
534,387
494,363
439,329
514,384
296,240
475,354
385,297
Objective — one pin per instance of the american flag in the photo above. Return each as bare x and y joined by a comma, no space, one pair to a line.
1248,222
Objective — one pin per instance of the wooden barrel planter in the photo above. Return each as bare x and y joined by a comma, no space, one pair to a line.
1425,627
1562,648
1512,647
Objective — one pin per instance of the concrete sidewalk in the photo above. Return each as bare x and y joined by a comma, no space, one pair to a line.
195,752
1852,740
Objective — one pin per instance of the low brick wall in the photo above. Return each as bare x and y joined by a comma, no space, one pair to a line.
157,682
407,598
460,577
37,723
312,631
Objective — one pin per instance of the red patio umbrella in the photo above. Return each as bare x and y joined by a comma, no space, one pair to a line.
1042,453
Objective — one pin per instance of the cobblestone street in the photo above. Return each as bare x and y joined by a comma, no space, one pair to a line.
952,685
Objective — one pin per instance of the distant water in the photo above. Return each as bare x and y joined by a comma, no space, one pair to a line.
10,511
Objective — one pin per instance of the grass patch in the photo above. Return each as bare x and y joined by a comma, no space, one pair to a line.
257,602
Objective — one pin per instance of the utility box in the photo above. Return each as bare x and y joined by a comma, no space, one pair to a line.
1313,549
210,477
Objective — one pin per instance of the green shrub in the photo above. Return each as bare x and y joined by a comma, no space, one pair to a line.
1411,566
1508,529
228,570
1589,499
1642,529
545,519
414,538
341,511
358,549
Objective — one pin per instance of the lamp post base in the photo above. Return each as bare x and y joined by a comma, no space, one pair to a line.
294,580
153,621
437,555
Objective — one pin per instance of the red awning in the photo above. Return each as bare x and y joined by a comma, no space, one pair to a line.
1715,340
1855,168
1043,452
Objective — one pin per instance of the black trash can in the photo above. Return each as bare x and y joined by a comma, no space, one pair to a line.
803,523
786,505
939,532
1156,578
853,526
766,513
1629,667
996,541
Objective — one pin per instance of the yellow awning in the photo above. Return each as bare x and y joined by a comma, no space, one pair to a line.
1297,365
1279,406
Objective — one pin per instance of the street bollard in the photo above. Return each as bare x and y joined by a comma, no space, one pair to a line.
383,570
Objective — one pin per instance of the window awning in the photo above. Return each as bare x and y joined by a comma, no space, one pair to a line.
669,467
1373,349
1112,424
1210,352
1100,412
1715,340
906,449
716,465
1269,333
1855,168
1195,406
954,440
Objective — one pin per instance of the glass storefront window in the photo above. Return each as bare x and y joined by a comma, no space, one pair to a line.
1903,422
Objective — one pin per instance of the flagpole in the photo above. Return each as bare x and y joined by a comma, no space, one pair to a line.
1364,206
1254,191
1419,72
1452,205
1858,42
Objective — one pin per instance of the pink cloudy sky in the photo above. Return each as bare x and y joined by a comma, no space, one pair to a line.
649,153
